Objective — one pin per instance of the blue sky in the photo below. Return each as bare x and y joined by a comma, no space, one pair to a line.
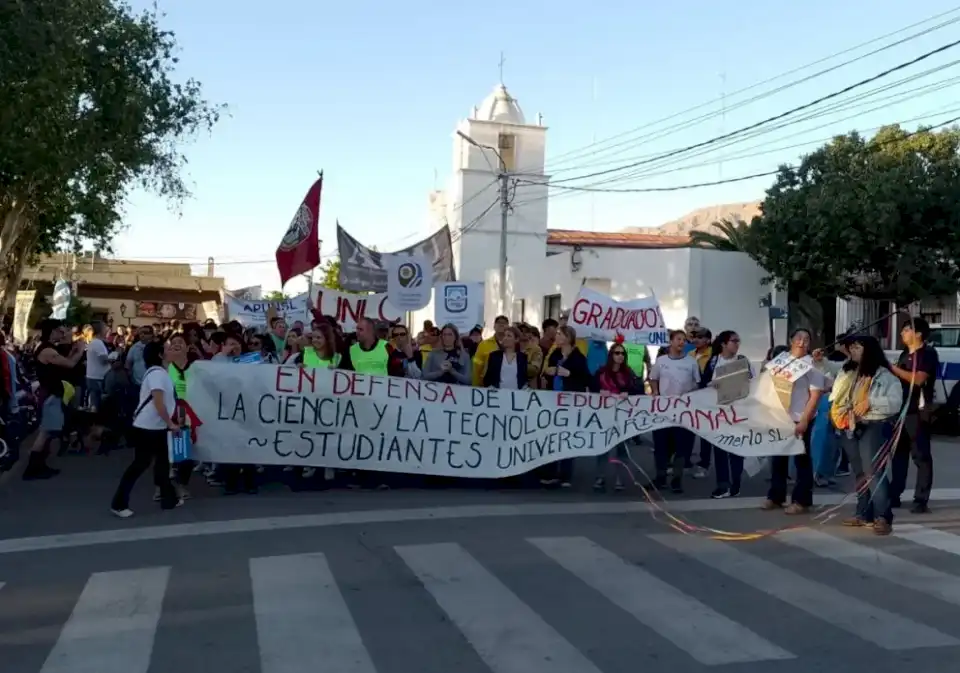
371,93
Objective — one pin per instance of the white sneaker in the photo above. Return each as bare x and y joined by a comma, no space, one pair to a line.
699,472
122,513
308,472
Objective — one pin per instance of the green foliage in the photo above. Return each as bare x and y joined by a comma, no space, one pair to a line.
275,295
90,110
877,218
79,312
728,235
330,274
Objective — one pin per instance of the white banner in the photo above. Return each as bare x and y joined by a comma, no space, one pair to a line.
21,315
61,299
284,415
347,308
460,304
254,313
409,280
597,316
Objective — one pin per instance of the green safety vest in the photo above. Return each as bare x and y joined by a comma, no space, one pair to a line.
179,381
635,355
312,359
373,361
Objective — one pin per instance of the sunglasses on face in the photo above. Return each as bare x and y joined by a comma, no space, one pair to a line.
397,335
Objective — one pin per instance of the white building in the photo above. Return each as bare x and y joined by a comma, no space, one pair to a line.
546,268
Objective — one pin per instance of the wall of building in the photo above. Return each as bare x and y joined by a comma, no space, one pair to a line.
722,289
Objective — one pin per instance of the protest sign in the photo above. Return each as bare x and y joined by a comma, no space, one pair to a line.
254,313
409,280
597,316
789,367
347,308
21,315
732,381
285,415
458,304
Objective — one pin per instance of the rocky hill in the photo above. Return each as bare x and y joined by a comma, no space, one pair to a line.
701,219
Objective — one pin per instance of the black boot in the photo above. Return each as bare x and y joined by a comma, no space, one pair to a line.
37,468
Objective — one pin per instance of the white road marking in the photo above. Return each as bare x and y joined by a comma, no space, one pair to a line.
876,625
303,622
701,632
361,517
507,634
113,624
877,563
929,537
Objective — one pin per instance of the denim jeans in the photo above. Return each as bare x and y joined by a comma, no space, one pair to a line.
873,500
603,460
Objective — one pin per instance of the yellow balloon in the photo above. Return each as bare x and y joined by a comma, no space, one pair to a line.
68,392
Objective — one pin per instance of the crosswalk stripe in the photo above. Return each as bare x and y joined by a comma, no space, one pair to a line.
704,634
876,625
929,537
507,634
877,563
113,624
302,619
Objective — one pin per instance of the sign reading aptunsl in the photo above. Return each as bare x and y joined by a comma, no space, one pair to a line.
597,316
254,313
283,415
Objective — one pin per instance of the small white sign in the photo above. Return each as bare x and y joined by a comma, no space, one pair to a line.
409,280
458,304
789,367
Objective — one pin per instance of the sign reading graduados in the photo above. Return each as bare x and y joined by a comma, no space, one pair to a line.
285,415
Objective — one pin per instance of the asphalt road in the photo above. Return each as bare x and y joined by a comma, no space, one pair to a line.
462,581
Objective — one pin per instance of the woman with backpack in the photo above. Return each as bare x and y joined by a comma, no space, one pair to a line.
728,466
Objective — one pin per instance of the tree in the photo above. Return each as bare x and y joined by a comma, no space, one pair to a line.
728,236
275,295
90,110
877,218
330,274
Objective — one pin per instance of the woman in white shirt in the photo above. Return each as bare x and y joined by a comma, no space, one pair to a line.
674,373
804,398
151,423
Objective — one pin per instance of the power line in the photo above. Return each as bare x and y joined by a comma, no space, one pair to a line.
777,117
844,105
580,151
741,178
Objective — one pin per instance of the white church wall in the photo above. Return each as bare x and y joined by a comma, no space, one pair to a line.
630,273
724,292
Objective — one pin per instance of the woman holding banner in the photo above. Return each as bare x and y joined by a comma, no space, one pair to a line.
450,363
615,378
565,370
507,367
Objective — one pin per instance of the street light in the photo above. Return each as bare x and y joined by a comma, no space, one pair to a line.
504,210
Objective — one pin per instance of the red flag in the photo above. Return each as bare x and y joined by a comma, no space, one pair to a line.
299,251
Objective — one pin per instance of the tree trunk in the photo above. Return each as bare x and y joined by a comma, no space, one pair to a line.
16,244
817,315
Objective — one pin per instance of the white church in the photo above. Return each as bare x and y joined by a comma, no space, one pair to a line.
546,267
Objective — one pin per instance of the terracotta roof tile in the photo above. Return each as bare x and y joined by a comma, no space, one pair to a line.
614,239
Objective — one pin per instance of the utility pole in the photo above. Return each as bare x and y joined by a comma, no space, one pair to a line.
504,212
504,177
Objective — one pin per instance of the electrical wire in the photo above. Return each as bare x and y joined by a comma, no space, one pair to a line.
742,178
777,117
862,99
583,151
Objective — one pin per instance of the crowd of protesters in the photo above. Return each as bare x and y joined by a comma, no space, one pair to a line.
93,388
